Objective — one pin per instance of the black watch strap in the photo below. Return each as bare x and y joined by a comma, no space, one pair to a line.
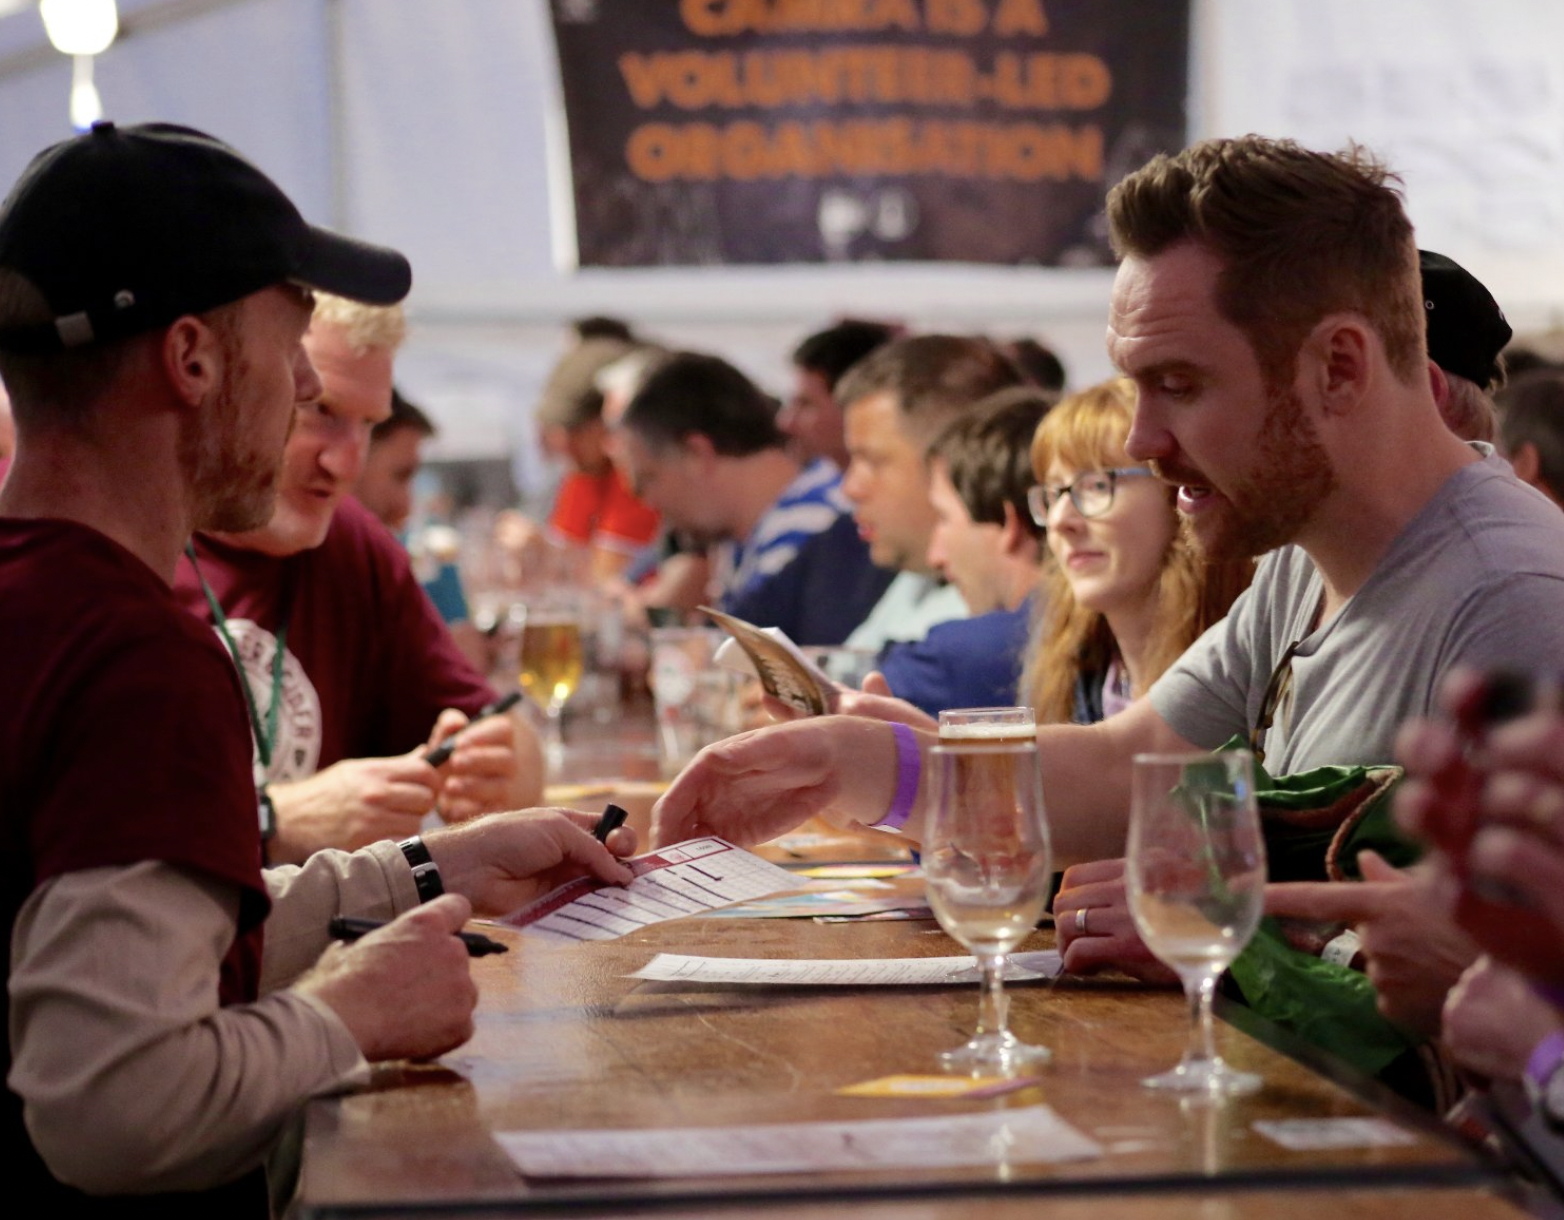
426,873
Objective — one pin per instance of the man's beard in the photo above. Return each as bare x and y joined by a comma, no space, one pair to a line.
233,488
1269,505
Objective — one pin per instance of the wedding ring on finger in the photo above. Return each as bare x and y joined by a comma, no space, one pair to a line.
1080,921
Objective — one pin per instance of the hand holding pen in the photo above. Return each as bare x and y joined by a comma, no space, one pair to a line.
404,991
348,929
442,752
483,765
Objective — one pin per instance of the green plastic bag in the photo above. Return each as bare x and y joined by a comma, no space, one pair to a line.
1332,1006
1315,823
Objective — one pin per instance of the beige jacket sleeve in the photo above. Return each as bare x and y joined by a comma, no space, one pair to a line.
373,882
132,1077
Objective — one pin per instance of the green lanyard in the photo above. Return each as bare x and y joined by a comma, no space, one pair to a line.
265,740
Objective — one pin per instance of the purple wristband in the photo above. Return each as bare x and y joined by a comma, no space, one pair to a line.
1544,1058
909,767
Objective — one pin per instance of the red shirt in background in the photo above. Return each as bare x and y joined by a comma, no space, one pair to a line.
599,510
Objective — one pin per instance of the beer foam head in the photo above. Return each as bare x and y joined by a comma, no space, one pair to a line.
1018,728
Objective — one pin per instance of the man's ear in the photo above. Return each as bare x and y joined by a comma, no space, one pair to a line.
1014,536
1527,464
698,445
1336,360
191,359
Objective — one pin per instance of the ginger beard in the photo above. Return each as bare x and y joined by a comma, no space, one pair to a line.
1270,504
231,456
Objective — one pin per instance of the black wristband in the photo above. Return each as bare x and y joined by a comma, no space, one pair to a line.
426,873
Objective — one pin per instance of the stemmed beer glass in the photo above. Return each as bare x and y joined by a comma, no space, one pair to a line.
1196,881
986,858
551,662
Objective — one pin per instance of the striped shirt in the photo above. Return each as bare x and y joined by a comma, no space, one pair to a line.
806,507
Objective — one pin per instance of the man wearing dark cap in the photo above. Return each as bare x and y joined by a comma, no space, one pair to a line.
154,293
1466,333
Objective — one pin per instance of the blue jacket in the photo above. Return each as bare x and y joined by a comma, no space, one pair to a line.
968,662
828,589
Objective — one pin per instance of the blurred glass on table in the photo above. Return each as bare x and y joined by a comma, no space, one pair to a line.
697,701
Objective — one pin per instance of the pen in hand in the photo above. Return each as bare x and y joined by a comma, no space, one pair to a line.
349,928
442,752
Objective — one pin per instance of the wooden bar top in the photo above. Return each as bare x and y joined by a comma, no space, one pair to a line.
565,1040
1393,1203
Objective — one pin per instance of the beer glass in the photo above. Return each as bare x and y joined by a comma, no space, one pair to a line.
1196,881
551,661
987,861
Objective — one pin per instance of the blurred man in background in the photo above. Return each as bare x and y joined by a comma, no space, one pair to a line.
702,444
897,400
812,416
385,486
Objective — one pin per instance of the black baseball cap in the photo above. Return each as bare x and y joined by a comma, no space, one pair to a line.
124,229
1466,327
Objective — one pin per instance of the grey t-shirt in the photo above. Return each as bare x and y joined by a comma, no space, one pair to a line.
1476,578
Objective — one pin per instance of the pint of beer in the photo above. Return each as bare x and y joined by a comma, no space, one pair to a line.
990,748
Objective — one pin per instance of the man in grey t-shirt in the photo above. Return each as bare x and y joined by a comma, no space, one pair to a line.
1268,309
1477,577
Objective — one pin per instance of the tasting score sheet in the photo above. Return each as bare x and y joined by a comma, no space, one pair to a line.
688,878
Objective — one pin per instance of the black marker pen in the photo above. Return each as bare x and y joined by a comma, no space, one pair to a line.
446,748
613,818
348,928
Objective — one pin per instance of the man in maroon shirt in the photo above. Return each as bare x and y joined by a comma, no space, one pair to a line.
369,675
151,323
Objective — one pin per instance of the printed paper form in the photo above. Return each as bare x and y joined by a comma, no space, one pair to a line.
688,878
1005,1137
842,972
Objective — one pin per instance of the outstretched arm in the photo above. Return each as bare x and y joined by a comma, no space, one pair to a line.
757,785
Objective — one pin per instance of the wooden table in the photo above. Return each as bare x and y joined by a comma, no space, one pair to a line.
564,1040
1334,1203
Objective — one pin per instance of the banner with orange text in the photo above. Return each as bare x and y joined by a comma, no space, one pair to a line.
804,131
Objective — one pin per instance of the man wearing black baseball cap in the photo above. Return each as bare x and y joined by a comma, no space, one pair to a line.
1466,333
154,291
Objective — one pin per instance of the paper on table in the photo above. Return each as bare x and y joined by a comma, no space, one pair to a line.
842,972
689,878
1005,1137
1321,1134
814,905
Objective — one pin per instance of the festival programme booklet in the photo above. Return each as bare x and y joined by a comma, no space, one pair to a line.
785,673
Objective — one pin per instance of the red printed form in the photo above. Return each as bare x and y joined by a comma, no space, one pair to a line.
687,878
